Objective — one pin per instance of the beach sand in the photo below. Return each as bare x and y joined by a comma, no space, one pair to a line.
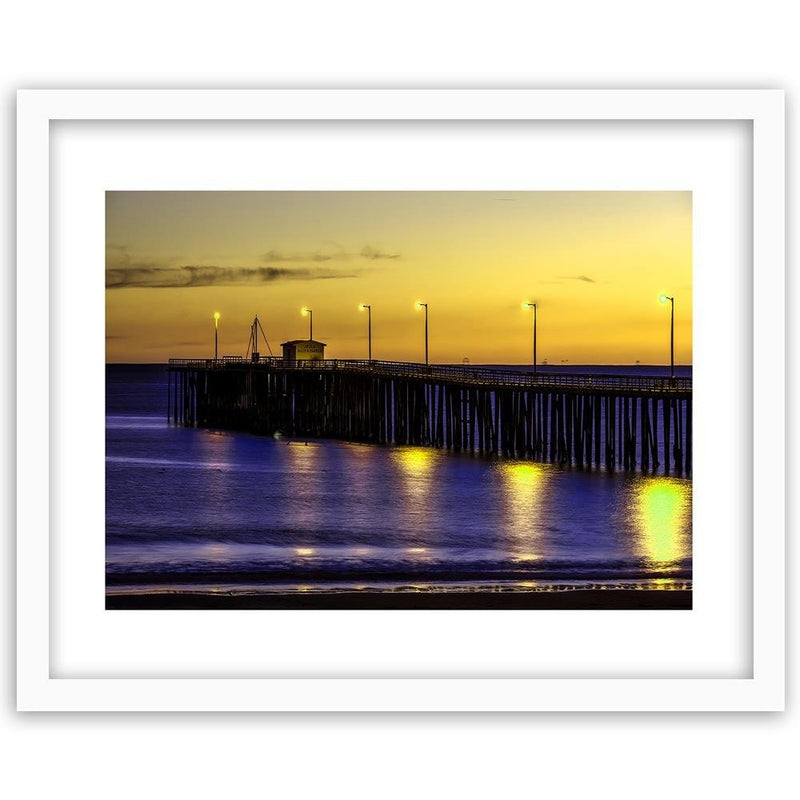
588,599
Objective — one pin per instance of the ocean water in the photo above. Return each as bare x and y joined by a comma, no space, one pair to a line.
215,511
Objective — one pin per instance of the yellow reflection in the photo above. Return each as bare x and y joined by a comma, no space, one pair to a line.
664,583
304,551
304,457
415,460
524,487
663,506
416,466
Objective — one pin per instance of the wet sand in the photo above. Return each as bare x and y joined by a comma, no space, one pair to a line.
641,599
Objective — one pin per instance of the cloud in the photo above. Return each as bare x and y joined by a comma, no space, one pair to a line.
374,255
185,343
191,276
368,252
122,272
584,278
277,257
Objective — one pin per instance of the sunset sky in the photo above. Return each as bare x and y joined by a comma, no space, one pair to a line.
594,262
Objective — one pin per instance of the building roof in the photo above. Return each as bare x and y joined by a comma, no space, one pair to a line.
303,341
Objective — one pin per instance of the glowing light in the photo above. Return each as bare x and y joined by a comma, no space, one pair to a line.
416,460
216,315
523,476
418,305
304,551
416,465
304,311
523,488
415,469
662,512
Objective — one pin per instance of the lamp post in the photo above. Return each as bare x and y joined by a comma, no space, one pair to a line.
308,312
663,299
369,326
425,306
216,334
533,306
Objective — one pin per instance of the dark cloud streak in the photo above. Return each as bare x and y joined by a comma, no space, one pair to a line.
277,257
584,278
191,276
368,252
375,255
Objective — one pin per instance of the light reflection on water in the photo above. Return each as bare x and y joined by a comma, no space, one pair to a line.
216,450
525,488
415,470
415,465
662,510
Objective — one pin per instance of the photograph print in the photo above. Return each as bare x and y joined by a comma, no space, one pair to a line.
399,400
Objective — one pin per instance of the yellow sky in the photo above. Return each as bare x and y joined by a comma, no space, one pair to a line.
594,262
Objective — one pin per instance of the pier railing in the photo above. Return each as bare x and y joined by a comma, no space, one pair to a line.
478,376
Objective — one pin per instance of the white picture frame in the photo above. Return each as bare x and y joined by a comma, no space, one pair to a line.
41,685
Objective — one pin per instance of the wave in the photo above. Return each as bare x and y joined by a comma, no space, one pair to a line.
168,462
340,571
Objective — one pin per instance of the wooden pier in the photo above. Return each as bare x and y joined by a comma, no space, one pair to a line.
589,421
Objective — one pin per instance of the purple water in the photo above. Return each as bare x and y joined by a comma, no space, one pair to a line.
221,511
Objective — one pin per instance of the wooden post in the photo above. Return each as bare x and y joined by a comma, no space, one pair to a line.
688,447
680,428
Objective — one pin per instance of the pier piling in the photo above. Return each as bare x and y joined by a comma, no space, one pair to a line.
589,421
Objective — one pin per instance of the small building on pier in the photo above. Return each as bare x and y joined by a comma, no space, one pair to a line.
303,350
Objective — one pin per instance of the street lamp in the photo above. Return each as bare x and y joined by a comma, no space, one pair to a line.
425,306
533,306
369,325
310,314
216,334
663,299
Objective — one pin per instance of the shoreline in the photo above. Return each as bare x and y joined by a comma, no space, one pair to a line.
575,599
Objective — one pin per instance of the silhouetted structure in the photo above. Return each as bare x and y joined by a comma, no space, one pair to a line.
587,420
303,350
